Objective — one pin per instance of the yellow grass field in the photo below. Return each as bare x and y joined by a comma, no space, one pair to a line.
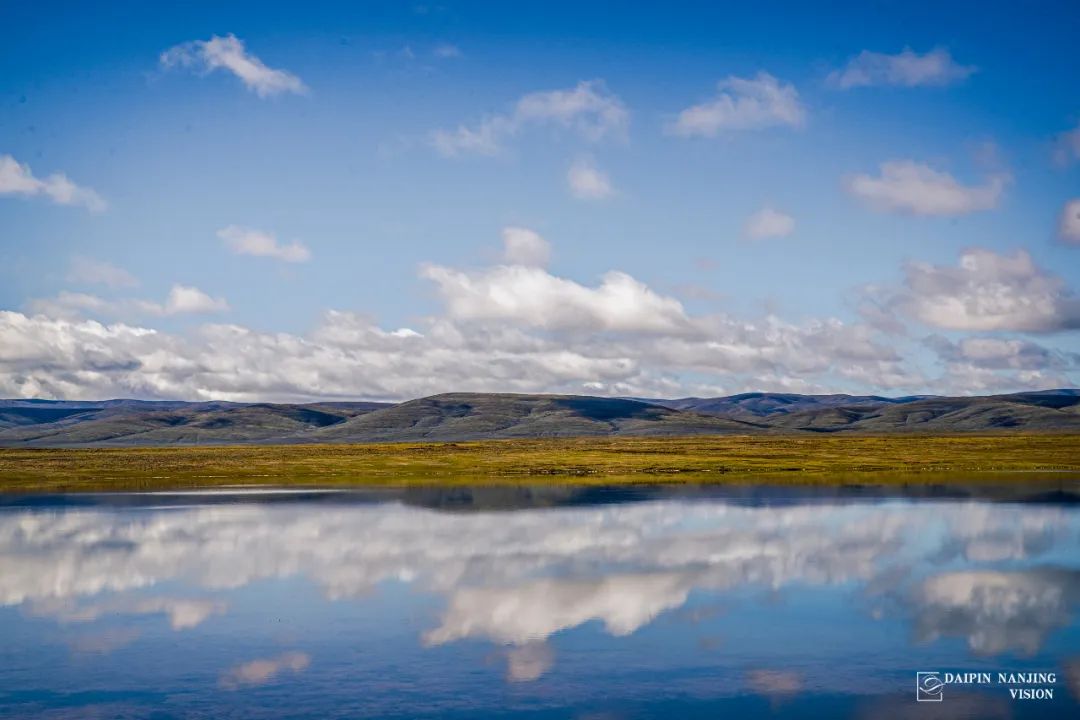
818,459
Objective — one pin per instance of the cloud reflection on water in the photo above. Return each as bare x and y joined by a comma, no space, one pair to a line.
262,670
518,578
997,611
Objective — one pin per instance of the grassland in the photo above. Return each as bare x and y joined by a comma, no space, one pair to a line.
818,459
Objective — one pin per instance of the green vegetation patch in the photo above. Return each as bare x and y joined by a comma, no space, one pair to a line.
716,459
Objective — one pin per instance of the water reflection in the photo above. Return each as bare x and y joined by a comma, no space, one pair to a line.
797,604
997,611
263,670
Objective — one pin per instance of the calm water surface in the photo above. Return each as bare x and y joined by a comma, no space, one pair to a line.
565,603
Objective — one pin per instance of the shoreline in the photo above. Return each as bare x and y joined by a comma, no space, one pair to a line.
777,460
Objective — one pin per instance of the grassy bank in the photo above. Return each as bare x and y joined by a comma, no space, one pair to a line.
785,459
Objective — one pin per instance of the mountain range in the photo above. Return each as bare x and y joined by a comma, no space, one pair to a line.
476,416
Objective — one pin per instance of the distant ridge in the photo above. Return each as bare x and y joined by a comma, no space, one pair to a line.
477,416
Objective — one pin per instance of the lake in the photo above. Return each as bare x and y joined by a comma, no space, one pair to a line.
654,602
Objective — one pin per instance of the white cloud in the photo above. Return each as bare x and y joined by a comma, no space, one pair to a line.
516,327
588,109
485,139
228,53
980,365
263,670
1067,146
249,241
769,223
17,179
525,247
587,182
987,291
97,272
181,300
970,379
518,346
743,104
186,299
1069,225
906,186
446,51
72,305
1001,353
533,297
905,69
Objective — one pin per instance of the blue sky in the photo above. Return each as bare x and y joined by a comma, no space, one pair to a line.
931,153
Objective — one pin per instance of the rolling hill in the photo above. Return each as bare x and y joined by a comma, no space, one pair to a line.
476,416
1027,412
752,406
166,423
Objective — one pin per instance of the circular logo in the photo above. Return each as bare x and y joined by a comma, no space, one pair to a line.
931,684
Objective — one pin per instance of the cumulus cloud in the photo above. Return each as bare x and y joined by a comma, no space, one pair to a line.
905,69
972,379
517,327
228,53
587,182
533,297
1002,353
769,223
994,364
97,272
187,299
17,179
1069,225
587,109
347,355
248,241
987,291
525,247
263,670
743,104
906,186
